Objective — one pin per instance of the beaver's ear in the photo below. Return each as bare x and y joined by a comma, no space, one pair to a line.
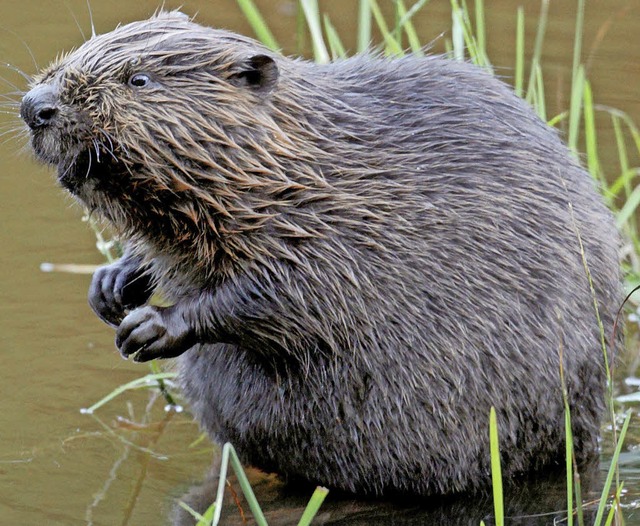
259,73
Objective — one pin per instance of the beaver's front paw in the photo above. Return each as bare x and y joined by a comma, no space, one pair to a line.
117,287
154,332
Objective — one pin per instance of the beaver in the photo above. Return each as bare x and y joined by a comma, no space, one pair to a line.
360,258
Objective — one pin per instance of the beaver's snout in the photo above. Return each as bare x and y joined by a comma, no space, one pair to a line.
39,106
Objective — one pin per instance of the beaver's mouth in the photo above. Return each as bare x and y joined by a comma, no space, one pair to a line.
89,171
77,164
82,162
78,170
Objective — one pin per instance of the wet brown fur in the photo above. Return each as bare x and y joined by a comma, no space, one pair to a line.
372,253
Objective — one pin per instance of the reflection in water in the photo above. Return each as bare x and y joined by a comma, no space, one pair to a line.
540,501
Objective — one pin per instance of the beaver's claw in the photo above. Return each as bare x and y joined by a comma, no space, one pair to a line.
117,287
154,332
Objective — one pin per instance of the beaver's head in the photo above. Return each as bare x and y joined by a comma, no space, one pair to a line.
163,124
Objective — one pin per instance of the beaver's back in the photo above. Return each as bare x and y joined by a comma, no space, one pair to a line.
450,279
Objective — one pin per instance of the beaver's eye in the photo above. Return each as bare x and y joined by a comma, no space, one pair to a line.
139,80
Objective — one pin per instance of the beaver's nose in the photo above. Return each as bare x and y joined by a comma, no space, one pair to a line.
39,106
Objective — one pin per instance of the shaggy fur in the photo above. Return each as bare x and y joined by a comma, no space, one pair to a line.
363,257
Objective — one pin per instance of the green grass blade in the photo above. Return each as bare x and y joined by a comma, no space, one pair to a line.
577,91
364,26
612,469
623,155
109,430
397,29
631,126
207,516
634,132
204,519
301,31
629,207
201,438
537,47
246,487
612,511
145,382
258,24
392,46
109,248
156,369
611,516
457,32
590,135
314,505
623,181
603,342
519,75
405,23
568,458
464,33
577,42
448,49
229,455
192,512
578,494
222,479
496,471
480,28
335,44
568,434
558,118
540,100
406,18
312,15
577,80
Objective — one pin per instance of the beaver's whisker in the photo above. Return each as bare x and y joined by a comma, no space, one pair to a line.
18,93
68,168
6,100
125,150
110,149
16,125
11,84
75,19
23,42
86,176
96,147
12,133
24,75
10,108
93,27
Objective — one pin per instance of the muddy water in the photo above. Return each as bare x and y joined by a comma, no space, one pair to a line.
58,466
